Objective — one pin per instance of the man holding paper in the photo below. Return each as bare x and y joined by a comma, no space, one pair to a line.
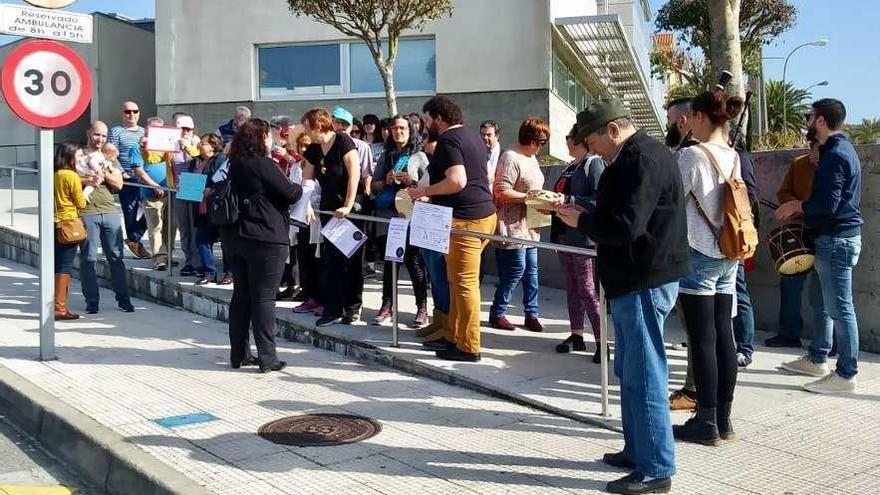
458,180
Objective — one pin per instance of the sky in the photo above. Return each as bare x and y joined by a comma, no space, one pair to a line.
850,62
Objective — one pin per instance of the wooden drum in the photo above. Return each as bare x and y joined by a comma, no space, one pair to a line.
790,250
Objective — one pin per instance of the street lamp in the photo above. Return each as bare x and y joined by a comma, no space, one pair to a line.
823,83
821,42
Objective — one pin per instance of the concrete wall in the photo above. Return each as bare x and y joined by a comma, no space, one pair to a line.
488,45
562,118
126,57
763,283
507,108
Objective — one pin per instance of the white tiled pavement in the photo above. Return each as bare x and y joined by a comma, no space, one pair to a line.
127,370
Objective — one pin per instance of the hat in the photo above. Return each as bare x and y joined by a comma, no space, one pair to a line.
342,114
185,121
597,115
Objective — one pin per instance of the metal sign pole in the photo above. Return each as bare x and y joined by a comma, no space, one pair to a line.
603,349
395,325
47,245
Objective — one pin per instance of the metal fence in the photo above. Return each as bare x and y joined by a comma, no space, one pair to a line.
395,327
603,321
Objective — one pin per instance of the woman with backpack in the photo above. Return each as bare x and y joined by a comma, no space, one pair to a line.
707,294
258,243
215,165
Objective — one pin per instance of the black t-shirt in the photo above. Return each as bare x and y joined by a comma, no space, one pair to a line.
330,170
460,146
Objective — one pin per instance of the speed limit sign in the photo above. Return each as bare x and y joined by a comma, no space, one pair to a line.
46,83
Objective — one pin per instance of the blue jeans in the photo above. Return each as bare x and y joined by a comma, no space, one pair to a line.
640,365
791,324
107,229
206,236
744,323
515,265
710,276
129,200
835,259
435,263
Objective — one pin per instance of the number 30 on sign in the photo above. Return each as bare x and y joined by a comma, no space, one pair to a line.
46,83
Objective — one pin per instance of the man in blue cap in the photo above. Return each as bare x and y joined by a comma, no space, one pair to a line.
639,226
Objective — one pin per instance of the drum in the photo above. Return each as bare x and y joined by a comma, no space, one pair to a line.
790,250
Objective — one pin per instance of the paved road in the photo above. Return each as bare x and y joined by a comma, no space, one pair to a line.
26,469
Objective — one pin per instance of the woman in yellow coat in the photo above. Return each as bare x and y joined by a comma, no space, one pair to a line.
69,200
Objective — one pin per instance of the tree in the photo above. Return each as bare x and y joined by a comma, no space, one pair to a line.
795,102
725,51
760,22
867,132
378,23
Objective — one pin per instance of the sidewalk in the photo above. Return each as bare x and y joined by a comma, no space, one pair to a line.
521,366
127,370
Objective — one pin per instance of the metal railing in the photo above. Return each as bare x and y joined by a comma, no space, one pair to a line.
12,170
170,243
603,322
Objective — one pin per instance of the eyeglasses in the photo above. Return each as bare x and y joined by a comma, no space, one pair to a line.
131,112
542,142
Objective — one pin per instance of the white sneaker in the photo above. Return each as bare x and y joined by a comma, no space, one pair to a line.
832,383
803,366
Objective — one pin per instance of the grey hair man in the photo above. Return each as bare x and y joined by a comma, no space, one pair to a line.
239,117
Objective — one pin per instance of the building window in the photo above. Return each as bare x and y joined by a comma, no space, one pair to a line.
567,87
300,70
316,70
414,70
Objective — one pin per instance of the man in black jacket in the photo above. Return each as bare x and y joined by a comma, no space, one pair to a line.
640,229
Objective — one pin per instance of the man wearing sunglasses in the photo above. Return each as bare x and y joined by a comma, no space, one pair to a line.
127,136
833,215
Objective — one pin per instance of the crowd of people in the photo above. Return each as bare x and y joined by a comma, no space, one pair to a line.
658,215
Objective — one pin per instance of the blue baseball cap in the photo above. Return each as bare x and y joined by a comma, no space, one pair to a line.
340,113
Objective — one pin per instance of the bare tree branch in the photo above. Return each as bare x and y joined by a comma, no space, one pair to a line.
375,22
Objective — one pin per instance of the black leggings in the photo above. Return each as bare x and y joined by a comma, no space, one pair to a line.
309,266
709,324
415,264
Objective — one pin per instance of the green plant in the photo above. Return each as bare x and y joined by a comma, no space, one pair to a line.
865,132
793,100
779,140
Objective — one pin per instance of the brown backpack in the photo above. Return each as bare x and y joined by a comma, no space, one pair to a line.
738,238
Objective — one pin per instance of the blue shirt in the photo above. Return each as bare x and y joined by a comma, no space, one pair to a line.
124,140
833,208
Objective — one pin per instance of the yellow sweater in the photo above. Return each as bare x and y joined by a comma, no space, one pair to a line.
69,198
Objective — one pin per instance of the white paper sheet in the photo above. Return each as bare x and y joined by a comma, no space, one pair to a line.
299,210
344,235
395,247
163,138
430,227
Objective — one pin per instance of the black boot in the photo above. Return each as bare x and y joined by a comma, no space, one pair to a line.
725,427
702,428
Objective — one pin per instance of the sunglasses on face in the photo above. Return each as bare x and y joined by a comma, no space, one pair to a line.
131,112
542,142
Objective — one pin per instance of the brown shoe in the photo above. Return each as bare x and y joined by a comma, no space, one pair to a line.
62,286
682,400
501,323
138,250
533,325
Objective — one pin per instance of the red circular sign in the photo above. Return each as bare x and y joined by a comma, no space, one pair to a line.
46,83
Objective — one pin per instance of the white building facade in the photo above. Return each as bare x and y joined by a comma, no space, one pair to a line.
500,59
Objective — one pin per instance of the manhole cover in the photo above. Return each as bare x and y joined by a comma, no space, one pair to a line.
313,430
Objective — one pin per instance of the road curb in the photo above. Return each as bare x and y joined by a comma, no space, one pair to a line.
101,456
191,299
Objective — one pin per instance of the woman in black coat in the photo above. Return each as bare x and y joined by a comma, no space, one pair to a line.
258,244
